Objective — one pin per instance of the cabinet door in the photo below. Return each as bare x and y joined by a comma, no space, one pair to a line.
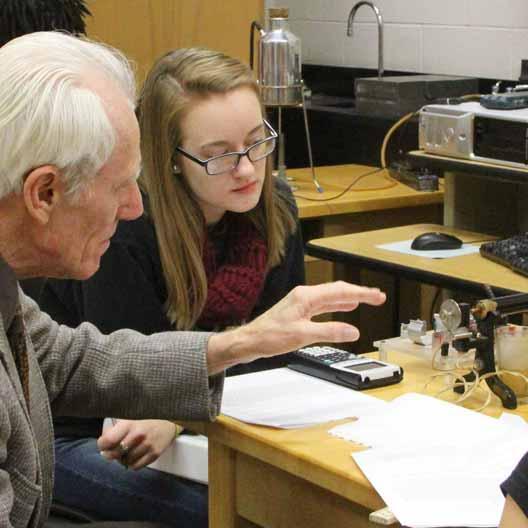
146,29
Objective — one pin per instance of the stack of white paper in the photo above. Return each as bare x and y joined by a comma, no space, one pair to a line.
289,399
416,419
436,464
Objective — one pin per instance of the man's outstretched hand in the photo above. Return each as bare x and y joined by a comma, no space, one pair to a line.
288,325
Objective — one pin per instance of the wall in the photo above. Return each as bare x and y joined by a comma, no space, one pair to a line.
481,38
145,29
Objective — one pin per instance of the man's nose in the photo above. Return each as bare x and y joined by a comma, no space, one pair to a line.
133,206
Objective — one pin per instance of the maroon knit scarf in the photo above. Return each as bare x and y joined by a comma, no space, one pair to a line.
234,286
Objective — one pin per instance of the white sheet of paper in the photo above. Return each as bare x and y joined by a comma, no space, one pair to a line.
416,420
436,464
428,487
404,246
288,399
514,420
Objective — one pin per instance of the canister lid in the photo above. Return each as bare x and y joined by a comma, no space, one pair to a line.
279,12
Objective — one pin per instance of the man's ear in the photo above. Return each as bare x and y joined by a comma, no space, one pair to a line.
42,191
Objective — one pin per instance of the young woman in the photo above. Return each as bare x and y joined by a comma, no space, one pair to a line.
218,245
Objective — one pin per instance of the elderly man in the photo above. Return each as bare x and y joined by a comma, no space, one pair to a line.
69,160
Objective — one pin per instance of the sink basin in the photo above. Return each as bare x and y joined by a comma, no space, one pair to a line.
400,94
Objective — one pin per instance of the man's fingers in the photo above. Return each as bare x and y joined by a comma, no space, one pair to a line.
120,439
142,462
331,331
113,435
337,296
127,450
335,307
135,453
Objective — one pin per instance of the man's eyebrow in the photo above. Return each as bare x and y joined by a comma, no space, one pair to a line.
223,143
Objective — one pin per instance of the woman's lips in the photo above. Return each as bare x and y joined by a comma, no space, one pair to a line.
246,189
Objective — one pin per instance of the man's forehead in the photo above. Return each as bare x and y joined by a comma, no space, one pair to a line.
117,104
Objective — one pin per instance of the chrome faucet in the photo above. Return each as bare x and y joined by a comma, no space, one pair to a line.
377,12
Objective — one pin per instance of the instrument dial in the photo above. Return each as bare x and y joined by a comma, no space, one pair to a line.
450,315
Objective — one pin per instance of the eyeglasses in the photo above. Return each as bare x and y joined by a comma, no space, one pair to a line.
229,161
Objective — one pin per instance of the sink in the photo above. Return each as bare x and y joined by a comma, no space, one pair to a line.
399,94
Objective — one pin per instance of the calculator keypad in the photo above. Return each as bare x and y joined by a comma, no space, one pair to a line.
325,354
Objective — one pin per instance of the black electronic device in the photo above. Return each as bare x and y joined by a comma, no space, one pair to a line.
511,252
505,101
420,179
472,132
500,139
435,240
344,368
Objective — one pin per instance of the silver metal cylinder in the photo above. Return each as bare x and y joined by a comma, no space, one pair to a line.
280,64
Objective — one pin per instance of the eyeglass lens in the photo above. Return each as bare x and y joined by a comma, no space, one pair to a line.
229,162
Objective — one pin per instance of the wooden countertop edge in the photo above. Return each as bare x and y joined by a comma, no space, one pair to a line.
309,209
351,484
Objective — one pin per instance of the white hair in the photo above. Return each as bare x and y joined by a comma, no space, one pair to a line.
47,114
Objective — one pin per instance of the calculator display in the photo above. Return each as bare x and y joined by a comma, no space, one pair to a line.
365,366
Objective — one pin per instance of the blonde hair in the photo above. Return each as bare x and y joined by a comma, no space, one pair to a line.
177,81
48,115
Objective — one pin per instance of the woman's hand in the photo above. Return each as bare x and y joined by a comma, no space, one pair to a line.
136,443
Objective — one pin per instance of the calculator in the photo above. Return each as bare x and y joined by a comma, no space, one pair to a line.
345,368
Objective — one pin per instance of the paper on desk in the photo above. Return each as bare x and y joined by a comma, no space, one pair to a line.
416,420
436,464
404,246
514,420
288,399
456,486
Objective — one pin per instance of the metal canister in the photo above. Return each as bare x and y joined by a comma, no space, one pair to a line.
280,64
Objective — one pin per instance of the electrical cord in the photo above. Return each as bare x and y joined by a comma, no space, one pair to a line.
392,183
469,386
407,117
389,134
456,100
463,382
400,139
489,291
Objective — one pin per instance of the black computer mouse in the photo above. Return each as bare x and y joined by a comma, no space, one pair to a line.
435,240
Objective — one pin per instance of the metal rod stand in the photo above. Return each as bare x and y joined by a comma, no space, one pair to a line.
309,144
281,164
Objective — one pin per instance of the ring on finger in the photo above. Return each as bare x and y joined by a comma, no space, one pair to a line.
123,449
